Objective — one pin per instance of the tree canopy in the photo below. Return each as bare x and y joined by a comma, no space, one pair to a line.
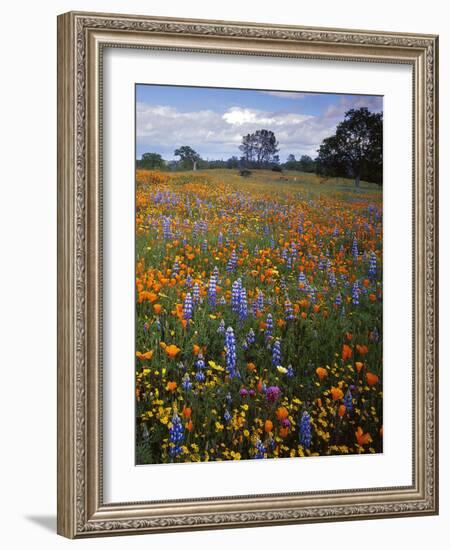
260,148
150,161
188,155
356,149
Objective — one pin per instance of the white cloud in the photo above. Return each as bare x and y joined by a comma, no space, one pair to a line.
238,116
285,95
215,134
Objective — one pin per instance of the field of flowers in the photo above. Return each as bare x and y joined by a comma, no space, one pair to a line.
258,318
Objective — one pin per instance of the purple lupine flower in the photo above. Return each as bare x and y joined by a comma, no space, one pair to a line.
288,310
235,296
290,371
243,392
250,338
212,291
175,267
220,239
221,327
372,265
269,328
200,365
260,451
276,353
227,416
305,430
232,262
260,301
332,277
302,281
375,335
187,307
243,305
355,252
204,245
230,352
167,233
176,436
348,401
338,300
186,382
355,293
195,294
200,376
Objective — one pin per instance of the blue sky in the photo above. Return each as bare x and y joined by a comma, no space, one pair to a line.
213,120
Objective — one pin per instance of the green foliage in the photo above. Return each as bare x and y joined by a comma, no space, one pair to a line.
356,149
150,161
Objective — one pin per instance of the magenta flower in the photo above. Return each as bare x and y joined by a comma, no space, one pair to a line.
273,393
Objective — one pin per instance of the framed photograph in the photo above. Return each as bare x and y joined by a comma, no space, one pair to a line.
247,274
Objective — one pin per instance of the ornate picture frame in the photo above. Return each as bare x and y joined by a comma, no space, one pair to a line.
82,38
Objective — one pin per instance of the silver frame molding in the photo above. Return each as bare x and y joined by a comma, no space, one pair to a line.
81,39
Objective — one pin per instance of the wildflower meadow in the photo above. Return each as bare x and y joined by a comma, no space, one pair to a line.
258,316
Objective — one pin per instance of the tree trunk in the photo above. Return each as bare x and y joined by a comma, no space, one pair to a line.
194,167
357,180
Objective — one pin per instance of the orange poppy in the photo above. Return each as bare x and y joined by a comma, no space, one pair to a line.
145,295
341,410
371,378
146,355
172,351
189,426
281,413
187,411
251,366
196,349
157,308
346,352
336,393
359,365
321,373
171,386
268,426
284,432
361,437
361,349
